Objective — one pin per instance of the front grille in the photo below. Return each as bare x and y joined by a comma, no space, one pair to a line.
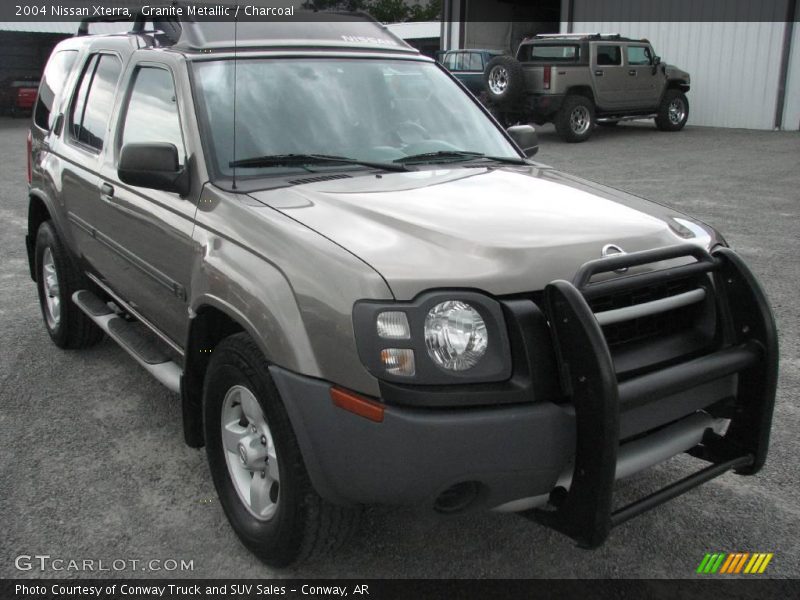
654,326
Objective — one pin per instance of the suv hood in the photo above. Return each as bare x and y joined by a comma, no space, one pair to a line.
503,230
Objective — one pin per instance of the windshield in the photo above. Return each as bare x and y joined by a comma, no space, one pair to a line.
363,109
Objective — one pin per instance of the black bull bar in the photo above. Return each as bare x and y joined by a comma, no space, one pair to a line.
749,347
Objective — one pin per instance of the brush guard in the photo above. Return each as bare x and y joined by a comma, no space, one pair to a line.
749,347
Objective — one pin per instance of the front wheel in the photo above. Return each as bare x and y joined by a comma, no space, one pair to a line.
575,120
256,464
673,111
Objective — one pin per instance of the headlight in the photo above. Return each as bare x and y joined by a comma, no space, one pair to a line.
440,337
455,335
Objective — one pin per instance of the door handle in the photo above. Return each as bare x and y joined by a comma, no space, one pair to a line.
107,190
632,72
599,72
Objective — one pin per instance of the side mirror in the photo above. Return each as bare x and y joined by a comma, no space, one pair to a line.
526,138
656,60
154,166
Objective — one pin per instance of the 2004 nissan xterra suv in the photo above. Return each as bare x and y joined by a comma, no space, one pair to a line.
580,80
365,291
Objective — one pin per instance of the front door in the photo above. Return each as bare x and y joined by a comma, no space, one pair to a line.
646,80
150,230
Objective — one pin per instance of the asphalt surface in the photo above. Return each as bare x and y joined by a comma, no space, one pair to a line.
93,464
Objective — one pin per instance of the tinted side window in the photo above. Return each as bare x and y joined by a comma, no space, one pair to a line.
55,74
95,100
474,62
450,61
638,55
552,53
152,112
609,56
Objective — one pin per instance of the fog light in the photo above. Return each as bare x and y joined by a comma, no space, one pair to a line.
398,361
393,325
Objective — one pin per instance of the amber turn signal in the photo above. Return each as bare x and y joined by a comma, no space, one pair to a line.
352,402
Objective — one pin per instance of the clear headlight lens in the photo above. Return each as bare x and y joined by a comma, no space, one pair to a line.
455,335
393,325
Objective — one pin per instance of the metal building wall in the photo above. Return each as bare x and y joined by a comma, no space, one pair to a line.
735,66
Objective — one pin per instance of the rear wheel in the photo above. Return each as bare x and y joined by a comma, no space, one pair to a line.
56,280
673,111
256,464
575,120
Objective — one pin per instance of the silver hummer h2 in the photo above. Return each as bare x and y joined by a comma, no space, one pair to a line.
579,80
365,291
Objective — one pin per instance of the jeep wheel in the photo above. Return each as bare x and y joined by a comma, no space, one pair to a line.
56,280
575,120
504,80
673,112
256,464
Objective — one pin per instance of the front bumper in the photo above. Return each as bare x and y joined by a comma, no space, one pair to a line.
571,451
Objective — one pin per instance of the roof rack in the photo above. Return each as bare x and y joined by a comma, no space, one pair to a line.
184,32
580,36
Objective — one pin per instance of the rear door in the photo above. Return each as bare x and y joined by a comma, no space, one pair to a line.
611,82
84,138
645,80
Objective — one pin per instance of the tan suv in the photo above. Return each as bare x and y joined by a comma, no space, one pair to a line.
580,80
366,292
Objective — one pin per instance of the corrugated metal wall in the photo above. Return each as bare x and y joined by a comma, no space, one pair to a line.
735,66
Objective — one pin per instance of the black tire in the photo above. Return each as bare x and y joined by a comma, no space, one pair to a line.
667,120
509,86
73,329
564,119
303,526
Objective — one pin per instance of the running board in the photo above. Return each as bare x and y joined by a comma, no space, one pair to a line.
145,348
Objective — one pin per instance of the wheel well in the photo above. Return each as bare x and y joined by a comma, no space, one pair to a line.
676,84
581,90
37,214
207,329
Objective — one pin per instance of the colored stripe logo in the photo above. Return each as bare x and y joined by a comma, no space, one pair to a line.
734,563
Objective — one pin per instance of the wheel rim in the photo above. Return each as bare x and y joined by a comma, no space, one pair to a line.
498,79
580,119
52,290
250,453
676,111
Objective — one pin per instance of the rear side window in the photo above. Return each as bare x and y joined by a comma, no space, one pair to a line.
152,113
91,108
552,53
609,56
473,62
638,55
450,61
55,75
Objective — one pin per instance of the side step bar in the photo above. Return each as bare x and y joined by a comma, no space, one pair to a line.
144,348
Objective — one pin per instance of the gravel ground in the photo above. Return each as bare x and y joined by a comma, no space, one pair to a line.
93,463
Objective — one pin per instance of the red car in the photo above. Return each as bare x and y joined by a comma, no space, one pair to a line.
18,95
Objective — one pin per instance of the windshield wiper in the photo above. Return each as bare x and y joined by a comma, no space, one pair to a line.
300,160
458,155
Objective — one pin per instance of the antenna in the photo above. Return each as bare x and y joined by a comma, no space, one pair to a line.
235,86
